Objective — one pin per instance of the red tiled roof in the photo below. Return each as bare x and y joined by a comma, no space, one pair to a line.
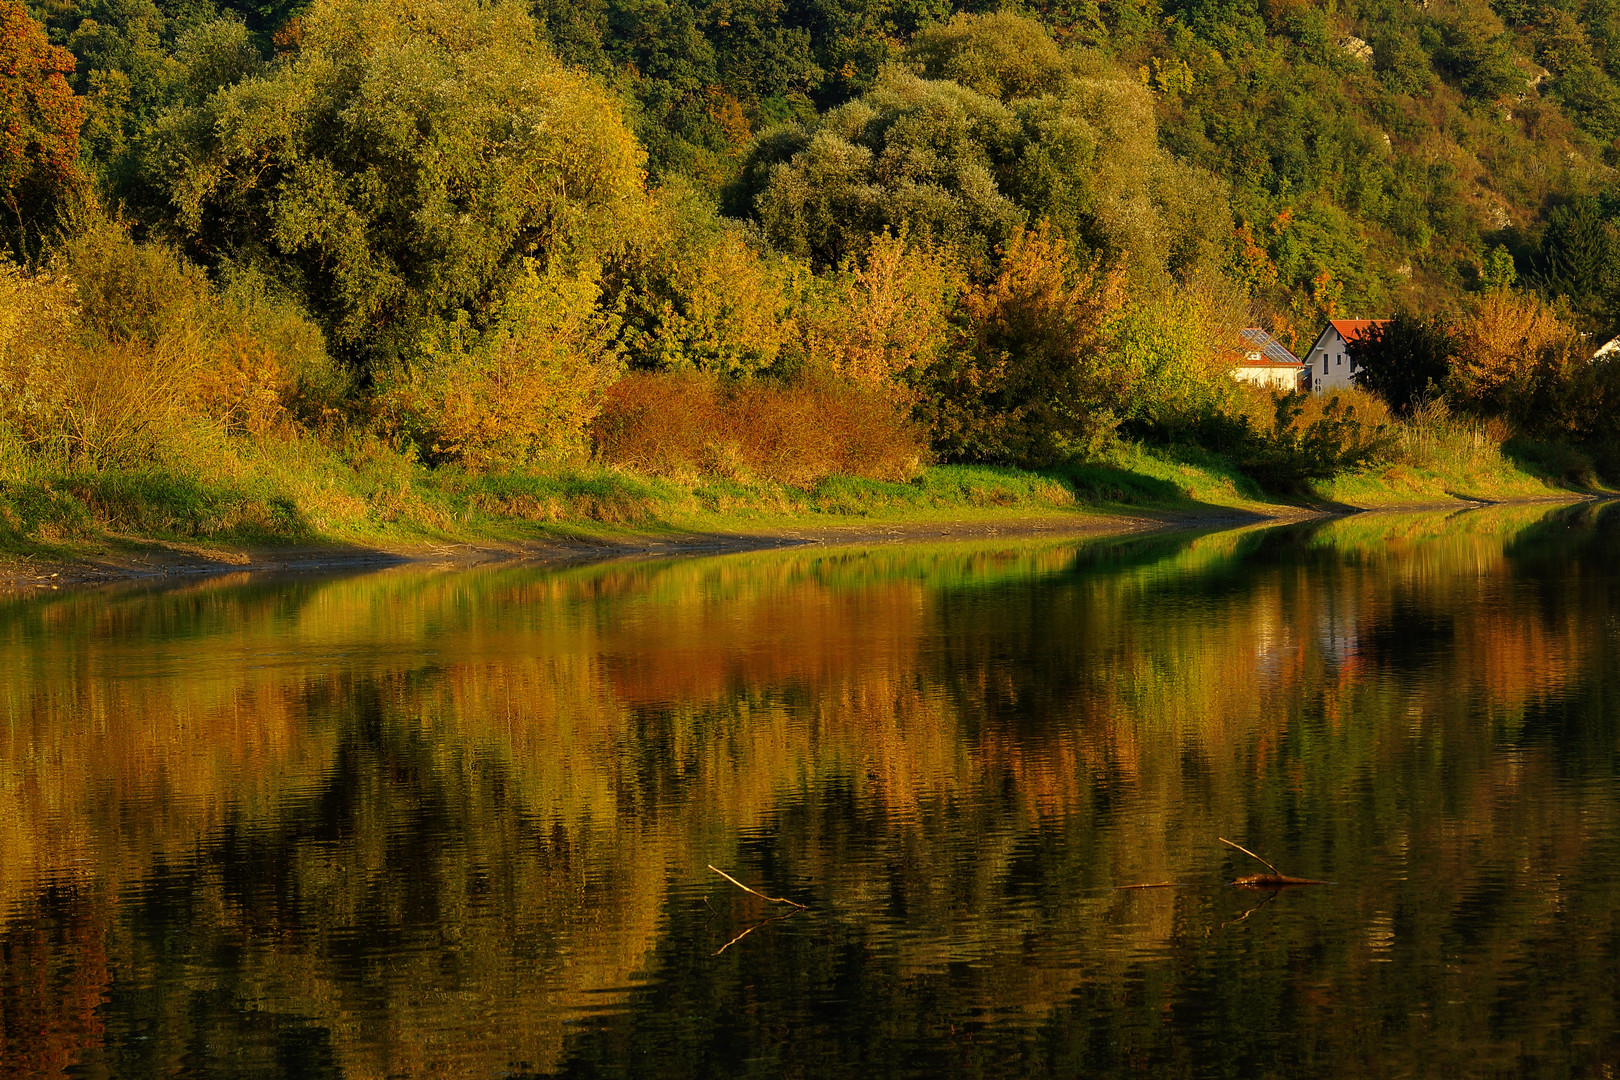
1352,329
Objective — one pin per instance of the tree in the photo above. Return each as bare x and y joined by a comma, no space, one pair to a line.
1580,255
699,293
402,165
1035,381
1506,344
993,127
912,154
39,125
1406,360
1498,273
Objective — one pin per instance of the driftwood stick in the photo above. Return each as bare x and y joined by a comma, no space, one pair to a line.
756,892
1245,851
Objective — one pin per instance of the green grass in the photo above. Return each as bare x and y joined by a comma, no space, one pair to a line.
1438,475
363,494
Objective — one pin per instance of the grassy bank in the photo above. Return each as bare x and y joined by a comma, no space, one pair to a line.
305,494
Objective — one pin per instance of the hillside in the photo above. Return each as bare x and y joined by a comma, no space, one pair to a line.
1376,151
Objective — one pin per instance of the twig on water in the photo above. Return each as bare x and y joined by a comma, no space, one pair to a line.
1274,880
756,892
1251,855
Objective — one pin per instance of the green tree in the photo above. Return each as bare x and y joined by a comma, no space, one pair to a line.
1498,272
996,127
1406,360
1580,255
402,165
912,154
1476,54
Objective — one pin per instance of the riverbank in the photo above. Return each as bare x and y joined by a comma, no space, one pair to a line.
63,529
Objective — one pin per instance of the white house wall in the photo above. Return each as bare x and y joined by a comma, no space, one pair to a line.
1278,378
1329,362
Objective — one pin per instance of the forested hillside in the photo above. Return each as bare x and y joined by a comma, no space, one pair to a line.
1376,150
781,241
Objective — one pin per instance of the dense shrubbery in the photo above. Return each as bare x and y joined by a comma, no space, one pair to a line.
686,425
119,354
1506,357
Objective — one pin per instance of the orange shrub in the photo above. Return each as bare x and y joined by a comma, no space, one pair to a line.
1506,343
686,425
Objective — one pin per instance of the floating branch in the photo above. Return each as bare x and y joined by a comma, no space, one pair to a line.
756,892
1274,880
1251,855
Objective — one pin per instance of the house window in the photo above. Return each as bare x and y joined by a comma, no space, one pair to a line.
1341,358
1324,363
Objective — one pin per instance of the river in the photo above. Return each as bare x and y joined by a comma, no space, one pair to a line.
414,823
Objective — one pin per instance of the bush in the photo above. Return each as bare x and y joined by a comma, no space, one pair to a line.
521,393
106,347
687,425
1556,460
1285,440
1036,382
118,353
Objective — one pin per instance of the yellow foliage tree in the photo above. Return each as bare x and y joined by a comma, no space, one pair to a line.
521,392
713,303
1036,380
889,315
1504,342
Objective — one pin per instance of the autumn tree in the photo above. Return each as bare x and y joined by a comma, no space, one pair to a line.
889,315
39,125
1034,382
1506,346
698,293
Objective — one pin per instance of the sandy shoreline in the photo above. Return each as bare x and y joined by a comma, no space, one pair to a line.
159,561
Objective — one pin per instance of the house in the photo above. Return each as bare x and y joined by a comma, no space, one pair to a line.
1328,361
1267,363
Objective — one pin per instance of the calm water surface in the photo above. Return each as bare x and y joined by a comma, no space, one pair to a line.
459,824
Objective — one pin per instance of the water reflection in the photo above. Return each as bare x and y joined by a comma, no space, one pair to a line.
425,823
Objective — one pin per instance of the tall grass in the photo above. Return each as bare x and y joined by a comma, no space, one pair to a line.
1435,439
